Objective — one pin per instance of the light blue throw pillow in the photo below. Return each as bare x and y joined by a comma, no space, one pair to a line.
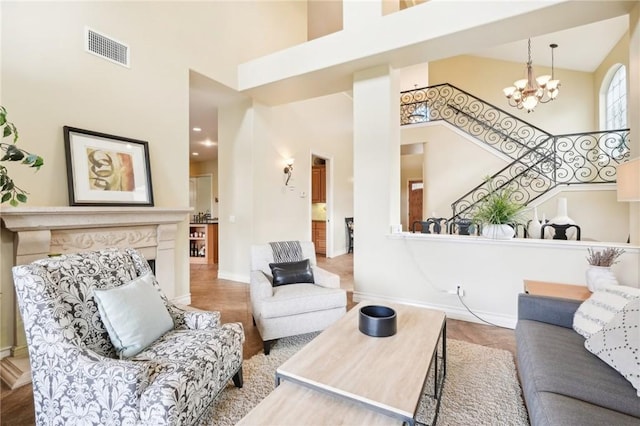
133,314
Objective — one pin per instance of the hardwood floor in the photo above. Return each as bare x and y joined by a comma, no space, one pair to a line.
232,300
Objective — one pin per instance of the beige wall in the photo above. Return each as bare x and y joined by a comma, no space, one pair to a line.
453,166
414,76
320,126
445,150
254,143
618,55
297,131
571,112
410,169
600,216
49,81
324,17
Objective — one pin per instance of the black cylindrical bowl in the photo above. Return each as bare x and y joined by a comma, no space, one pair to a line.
377,321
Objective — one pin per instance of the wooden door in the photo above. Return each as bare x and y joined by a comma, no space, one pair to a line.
316,179
318,184
323,184
415,203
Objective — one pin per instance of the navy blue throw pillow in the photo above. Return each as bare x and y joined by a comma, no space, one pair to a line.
291,272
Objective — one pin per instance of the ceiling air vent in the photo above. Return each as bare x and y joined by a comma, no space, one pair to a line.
106,47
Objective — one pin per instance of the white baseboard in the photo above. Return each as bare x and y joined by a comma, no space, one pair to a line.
337,253
5,352
241,278
454,312
182,300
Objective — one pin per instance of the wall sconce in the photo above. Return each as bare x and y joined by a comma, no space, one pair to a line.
288,169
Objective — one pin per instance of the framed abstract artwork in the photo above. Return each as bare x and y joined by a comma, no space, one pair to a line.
107,170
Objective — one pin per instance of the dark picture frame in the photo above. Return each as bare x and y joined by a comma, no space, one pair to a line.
107,170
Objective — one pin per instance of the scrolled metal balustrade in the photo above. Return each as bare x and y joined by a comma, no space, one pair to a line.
485,122
541,161
590,157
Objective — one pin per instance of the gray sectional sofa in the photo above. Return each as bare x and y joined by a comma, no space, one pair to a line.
563,383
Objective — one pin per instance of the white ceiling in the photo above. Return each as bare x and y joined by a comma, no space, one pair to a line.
581,48
205,97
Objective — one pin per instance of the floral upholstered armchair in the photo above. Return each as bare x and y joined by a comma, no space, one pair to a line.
80,376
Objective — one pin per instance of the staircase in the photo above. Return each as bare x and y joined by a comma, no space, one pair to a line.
540,161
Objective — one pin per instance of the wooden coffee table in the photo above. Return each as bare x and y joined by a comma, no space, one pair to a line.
292,404
386,374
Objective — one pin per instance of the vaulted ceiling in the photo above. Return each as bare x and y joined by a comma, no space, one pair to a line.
581,48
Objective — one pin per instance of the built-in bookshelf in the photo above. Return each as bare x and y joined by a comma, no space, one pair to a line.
203,243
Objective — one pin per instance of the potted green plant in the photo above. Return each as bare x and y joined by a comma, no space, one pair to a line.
498,213
9,191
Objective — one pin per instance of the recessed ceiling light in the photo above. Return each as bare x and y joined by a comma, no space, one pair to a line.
195,154
197,129
208,143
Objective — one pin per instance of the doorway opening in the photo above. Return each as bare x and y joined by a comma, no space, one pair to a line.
321,205
416,187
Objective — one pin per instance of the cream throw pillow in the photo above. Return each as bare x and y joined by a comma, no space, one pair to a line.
595,312
133,314
618,343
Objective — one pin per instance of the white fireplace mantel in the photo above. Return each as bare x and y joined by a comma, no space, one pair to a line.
40,218
40,231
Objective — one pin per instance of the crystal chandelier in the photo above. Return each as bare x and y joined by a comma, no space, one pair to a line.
528,92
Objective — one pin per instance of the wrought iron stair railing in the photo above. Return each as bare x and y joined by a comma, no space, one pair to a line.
528,178
590,157
485,122
541,161
573,159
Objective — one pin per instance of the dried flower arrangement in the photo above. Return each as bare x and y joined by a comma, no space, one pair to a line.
606,257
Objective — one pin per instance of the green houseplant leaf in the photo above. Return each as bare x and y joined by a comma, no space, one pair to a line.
9,191
498,207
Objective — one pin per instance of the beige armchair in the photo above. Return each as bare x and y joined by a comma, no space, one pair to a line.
297,308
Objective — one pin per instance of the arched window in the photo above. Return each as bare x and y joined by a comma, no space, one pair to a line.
616,101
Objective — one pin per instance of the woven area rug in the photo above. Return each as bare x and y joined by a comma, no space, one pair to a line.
481,387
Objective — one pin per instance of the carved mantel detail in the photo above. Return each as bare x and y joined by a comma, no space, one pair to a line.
39,231
63,241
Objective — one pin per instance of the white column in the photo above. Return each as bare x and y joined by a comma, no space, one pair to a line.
235,168
376,149
165,256
634,111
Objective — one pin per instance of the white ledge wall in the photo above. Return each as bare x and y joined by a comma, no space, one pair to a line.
421,271
421,268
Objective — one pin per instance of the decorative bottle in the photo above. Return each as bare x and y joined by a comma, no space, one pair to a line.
534,227
561,218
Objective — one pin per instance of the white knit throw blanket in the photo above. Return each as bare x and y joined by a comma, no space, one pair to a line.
286,251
